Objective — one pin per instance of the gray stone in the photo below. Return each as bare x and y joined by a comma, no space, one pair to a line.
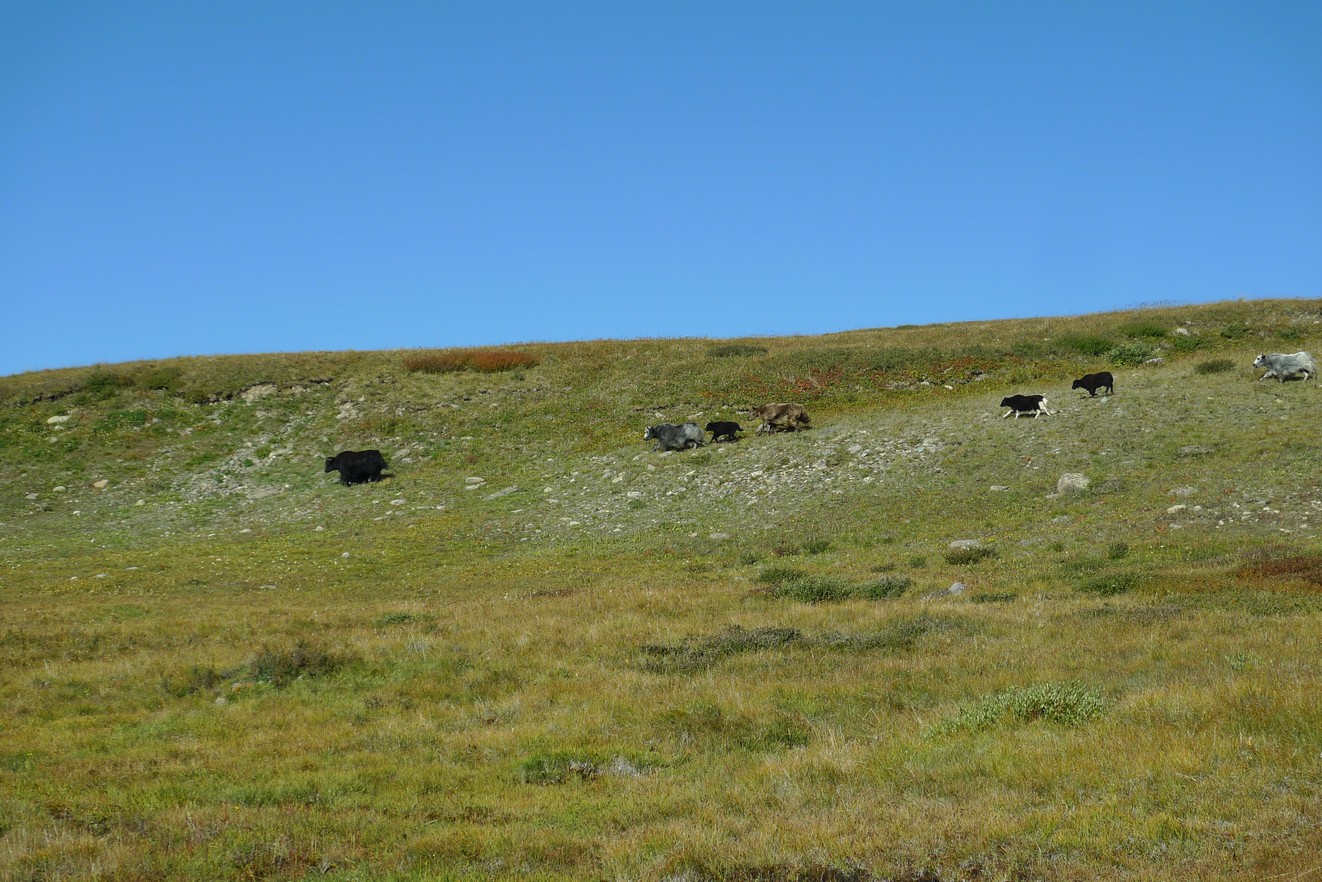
1072,482
963,544
502,493
101,484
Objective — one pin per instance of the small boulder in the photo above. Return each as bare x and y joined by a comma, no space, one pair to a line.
1072,482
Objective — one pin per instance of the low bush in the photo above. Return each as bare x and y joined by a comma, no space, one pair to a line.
896,637
736,350
699,653
1131,353
961,556
1148,329
480,360
1084,344
1110,584
1064,704
198,678
1214,366
102,384
303,660
556,768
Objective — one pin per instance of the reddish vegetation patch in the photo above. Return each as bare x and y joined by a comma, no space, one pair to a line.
1302,567
483,360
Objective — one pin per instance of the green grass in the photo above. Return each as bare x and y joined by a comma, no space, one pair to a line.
730,663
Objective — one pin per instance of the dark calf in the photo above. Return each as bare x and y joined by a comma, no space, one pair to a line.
724,429
1093,382
357,466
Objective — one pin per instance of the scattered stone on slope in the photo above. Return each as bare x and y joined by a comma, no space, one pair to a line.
1072,482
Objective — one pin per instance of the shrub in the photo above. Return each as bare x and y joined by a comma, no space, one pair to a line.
816,546
1149,329
778,575
304,660
815,589
1065,704
102,384
196,679
1110,584
160,378
1131,353
699,653
969,555
555,768
993,597
1117,550
1214,366
481,360
895,637
1187,344
885,587
399,618
1235,330
1084,344
736,350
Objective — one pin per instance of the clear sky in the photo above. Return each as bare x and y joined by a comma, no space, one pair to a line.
195,178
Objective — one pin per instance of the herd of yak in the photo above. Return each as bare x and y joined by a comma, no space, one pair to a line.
361,466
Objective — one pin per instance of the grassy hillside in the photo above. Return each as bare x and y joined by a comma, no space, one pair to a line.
541,650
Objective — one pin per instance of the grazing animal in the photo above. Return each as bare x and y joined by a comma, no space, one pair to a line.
1093,382
724,430
781,417
669,436
1025,404
1298,365
357,466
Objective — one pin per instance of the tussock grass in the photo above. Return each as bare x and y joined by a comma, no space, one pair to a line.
792,584
1069,704
969,555
1214,366
485,361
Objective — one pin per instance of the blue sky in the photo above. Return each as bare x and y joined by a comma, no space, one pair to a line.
207,178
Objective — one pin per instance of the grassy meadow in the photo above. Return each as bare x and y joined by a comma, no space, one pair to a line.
542,651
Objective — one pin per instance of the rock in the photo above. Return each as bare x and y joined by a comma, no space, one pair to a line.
1072,482
257,392
473,482
397,502
1156,362
1184,492
1176,509
999,488
966,544
101,484
501,493
1181,332
59,419
954,590
31,496
59,489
